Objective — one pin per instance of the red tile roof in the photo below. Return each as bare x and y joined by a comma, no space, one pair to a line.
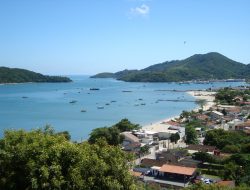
177,169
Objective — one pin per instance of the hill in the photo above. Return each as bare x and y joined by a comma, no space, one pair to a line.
14,75
197,67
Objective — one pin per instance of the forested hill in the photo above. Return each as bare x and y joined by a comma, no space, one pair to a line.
197,67
9,75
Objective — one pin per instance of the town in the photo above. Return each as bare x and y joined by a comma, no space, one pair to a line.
209,145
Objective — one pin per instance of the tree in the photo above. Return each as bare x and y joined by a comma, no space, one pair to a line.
144,149
191,135
201,103
231,149
204,157
126,125
110,134
175,137
42,160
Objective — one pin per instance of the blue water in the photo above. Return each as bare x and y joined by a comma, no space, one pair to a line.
48,103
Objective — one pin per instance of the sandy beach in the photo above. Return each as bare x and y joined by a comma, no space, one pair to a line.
203,95
198,95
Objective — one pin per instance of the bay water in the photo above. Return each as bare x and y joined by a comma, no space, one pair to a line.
75,108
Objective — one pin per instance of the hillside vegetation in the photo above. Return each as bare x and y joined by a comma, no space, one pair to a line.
9,75
197,67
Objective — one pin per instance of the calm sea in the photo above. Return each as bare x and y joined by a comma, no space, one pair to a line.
33,105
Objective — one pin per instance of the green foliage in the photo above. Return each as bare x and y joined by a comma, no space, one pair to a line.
201,102
191,135
42,159
8,75
65,134
197,67
204,157
237,168
110,134
126,125
144,149
245,148
231,149
227,95
201,186
175,137
221,139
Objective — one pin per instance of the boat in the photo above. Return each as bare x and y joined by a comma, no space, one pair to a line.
100,107
94,89
73,101
83,110
107,104
126,91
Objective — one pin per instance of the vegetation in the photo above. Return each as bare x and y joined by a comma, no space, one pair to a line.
126,125
201,103
174,137
8,75
42,159
197,67
112,134
230,141
204,157
201,186
191,135
229,96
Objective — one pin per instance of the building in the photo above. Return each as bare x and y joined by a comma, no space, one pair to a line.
216,115
243,126
201,148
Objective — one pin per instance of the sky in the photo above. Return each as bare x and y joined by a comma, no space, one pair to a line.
63,37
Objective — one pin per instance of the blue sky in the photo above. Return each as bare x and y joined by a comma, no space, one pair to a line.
91,36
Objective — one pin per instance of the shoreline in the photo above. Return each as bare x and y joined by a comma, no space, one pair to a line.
198,95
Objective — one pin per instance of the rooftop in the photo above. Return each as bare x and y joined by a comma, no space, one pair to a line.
177,169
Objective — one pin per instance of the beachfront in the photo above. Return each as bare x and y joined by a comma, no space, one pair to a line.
162,125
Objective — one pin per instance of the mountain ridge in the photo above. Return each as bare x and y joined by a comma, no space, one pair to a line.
210,66
17,75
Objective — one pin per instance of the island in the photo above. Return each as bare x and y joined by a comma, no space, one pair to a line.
200,67
16,75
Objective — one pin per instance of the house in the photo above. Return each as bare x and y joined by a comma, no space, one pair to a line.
148,163
171,155
146,137
131,142
216,115
233,123
176,173
170,176
200,148
129,138
243,126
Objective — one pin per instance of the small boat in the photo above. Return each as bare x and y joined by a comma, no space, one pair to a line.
83,110
113,101
100,107
140,99
94,89
126,91
143,104
24,97
73,101
107,104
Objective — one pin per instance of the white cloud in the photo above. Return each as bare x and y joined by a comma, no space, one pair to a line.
142,10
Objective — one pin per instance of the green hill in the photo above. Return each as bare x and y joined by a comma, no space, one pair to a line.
197,67
9,75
